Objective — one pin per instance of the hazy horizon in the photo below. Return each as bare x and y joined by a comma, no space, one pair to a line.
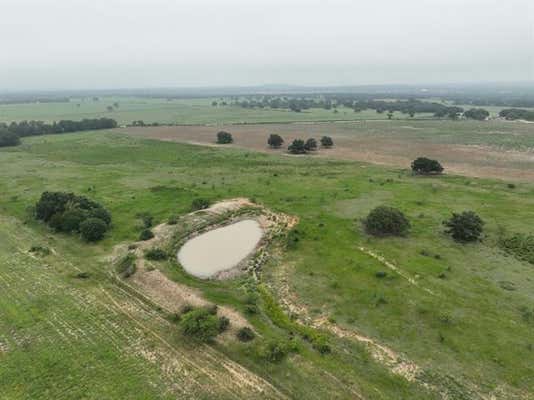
62,45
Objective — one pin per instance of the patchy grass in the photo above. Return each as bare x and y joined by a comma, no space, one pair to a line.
470,329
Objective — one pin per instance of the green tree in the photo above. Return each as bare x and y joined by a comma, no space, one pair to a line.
385,221
426,166
93,229
8,138
326,141
310,145
224,137
297,147
464,227
275,141
479,114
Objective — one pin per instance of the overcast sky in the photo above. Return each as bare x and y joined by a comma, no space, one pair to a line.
58,44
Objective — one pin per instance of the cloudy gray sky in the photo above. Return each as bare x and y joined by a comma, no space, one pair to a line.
57,44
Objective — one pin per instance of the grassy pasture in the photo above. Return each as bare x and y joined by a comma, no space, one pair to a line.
472,331
180,111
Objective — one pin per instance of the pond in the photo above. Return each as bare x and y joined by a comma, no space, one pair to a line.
220,249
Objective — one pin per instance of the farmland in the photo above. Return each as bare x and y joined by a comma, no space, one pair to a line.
455,319
495,149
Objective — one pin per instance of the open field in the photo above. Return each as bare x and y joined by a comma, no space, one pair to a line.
448,320
496,149
177,111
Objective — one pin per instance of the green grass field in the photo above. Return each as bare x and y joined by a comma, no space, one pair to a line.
463,316
180,111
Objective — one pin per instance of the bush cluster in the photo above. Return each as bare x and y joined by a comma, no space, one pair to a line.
67,212
156,254
199,204
8,138
200,324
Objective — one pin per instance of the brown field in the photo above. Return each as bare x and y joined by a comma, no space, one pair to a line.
493,149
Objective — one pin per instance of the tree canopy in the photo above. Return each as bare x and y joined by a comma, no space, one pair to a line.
297,147
384,221
426,166
479,114
224,137
464,227
275,141
326,141
8,138
310,145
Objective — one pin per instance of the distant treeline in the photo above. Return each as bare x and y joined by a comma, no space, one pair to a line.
411,106
26,100
517,113
10,134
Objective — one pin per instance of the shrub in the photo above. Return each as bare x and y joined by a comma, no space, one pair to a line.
156,254
310,145
72,219
200,324
224,324
384,221
464,227
126,266
147,219
146,234
426,166
224,137
479,114
245,334
102,214
8,138
381,274
40,250
93,229
274,350
275,141
326,141
297,147
173,220
199,204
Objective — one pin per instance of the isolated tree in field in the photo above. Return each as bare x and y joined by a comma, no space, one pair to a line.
93,229
426,166
109,108
214,103
8,138
477,113
224,137
297,147
275,141
310,145
411,114
386,221
326,141
464,227
390,115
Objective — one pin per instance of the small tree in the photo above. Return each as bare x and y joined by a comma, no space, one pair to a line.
200,324
310,145
275,141
426,166
224,137
326,141
464,227
146,234
93,229
390,114
297,147
384,221
8,138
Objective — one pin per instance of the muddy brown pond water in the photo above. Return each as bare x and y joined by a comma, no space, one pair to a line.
221,249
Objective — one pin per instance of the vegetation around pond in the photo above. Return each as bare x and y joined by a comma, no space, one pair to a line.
444,306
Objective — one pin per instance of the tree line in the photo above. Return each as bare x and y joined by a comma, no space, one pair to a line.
517,113
10,134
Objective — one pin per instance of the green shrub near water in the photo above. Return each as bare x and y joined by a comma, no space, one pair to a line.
156,254
200,324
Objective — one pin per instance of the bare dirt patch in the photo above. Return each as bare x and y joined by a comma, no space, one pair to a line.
384,143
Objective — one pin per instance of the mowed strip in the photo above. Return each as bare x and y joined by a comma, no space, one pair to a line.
492,149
